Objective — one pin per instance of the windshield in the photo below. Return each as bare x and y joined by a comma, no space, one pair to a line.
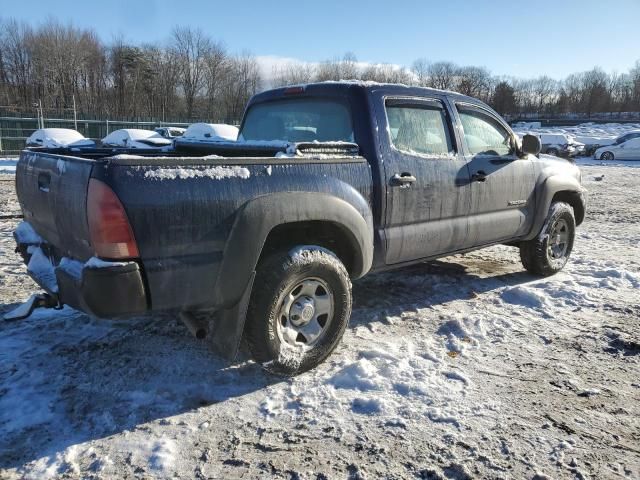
298,120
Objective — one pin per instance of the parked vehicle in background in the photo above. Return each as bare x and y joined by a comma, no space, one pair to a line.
170,132
210,132
58,138
135,138
560,145
626,137
627,150
274,231
596,143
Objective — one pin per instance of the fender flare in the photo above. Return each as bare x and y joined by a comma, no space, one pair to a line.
258,217
549,188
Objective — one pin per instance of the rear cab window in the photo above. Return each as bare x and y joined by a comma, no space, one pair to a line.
298,120
483,133
419,127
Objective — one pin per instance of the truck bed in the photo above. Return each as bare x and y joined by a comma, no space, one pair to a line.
181,208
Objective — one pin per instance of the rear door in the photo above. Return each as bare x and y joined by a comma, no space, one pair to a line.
427,181
52,190
503,184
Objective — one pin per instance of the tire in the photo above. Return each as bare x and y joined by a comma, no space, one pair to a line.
549,252
607,156
299,309
552,151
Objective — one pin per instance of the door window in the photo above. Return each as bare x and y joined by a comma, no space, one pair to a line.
484,135
419,130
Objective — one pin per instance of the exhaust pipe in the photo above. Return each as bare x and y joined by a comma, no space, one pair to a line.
198,327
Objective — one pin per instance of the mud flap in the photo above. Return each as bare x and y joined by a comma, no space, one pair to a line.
225,330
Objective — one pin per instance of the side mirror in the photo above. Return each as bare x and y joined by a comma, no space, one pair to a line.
531,145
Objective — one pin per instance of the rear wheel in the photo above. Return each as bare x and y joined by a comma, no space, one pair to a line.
299,309
607,156
549,252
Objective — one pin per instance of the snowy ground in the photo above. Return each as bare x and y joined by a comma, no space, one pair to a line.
8,166
463,368
588,133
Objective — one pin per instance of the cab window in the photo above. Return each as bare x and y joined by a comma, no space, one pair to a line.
419,129
483,134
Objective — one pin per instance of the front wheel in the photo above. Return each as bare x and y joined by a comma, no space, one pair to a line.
549,252
299,309
607,156
552,151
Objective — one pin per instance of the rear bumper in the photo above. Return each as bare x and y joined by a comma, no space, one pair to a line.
105,290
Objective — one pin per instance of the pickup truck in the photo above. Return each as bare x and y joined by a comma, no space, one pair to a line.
260,238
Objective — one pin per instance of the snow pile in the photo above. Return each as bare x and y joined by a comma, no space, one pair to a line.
41,267
25,233
215,173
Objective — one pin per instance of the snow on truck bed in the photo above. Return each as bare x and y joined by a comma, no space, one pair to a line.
462,368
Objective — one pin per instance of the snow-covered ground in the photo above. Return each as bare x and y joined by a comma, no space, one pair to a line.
462,368
587,133
8,166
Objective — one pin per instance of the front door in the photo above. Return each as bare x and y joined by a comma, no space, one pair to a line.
503,184
427,181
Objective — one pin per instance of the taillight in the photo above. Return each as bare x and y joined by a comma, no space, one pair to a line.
293,90
111,235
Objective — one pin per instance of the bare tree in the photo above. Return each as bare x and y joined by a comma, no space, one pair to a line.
544,89
420,69
442,75
293,74
217,69
191,48
474,81
243,82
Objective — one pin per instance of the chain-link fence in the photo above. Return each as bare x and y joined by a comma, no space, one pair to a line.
14,131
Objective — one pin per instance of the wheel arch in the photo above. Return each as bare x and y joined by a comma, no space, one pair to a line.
558,188
575,199
290,218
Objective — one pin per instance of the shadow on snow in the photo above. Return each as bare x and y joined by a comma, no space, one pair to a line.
66,378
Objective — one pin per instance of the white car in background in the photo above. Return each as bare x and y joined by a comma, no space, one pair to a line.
135,138
210,132
58,138
629,150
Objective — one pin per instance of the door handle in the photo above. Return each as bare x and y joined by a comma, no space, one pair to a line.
479,176
44,180
402,180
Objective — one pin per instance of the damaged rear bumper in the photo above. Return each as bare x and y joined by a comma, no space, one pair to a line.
99,288
103,292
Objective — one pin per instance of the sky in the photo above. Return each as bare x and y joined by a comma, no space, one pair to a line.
515,38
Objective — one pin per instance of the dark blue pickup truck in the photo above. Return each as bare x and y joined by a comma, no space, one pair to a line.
260,238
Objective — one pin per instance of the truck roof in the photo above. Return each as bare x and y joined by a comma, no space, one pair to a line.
332,86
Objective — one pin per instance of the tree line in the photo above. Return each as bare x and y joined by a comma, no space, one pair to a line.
589,92
191,75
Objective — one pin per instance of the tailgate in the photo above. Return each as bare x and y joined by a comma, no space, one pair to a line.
52,190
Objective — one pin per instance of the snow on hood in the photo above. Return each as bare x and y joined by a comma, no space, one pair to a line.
58,137
211,132
130,135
